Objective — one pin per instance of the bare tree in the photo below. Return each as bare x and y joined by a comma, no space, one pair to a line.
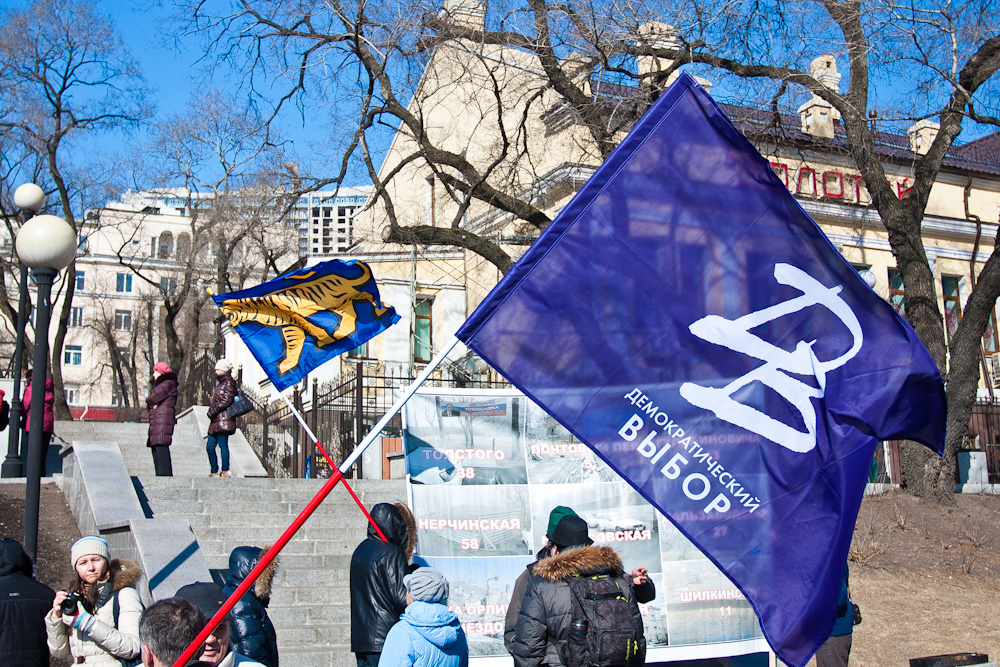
64,74
216,160
537,79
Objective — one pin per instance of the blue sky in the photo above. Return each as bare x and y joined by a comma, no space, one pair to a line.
169,66
172,71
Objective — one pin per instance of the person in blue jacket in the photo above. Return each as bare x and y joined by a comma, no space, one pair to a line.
427,634
836,650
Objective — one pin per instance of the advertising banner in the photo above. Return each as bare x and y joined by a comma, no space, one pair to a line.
485,468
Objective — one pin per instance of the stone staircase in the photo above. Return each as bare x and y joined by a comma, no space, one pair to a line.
187,451
310,603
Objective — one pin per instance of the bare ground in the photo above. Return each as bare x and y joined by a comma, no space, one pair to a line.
57,531
927,579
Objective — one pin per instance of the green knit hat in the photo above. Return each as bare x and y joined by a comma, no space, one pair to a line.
555,515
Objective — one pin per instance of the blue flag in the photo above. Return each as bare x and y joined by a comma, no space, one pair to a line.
686,319
302,319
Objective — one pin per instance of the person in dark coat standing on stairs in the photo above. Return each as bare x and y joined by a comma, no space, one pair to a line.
162,404
253,633
378,595
23,605
222,425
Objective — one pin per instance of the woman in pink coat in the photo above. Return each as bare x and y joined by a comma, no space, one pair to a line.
48,421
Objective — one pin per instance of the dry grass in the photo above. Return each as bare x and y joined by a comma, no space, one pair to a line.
912,615
927,579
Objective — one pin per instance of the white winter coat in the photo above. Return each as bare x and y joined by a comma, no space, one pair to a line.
105,643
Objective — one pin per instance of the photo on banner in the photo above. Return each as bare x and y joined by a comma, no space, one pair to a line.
485,468
463,440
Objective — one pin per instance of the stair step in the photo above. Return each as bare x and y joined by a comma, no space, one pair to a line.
310,603
333,656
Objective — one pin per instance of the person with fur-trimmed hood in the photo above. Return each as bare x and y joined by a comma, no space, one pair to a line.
104,627
378,595
253,633
542,630
644,588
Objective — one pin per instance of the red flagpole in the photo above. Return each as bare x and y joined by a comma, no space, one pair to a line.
307,511
255,572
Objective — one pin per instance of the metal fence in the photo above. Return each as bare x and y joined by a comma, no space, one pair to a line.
984,434
340,414
993,463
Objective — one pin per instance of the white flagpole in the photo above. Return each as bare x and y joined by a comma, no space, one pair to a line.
301,419
398,405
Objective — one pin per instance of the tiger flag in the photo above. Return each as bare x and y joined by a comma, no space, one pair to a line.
301,320
685,318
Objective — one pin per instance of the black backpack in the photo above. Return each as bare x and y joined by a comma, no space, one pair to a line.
602,631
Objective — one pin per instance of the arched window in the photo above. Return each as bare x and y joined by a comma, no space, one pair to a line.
165,247
183,245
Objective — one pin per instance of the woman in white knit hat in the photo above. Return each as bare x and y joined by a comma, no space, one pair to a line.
222,425
102,628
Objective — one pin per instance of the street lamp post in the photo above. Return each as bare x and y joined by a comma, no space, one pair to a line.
30,198
46,244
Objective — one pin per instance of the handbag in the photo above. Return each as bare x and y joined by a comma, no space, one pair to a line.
241,405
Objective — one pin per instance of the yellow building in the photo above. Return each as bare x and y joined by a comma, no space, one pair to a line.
495,108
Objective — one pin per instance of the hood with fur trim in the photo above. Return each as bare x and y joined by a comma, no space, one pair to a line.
244,559
127,573
411,530
580,560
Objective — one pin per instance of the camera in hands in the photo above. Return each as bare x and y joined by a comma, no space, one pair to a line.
68,605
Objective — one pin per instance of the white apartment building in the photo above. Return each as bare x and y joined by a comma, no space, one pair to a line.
326,220
138,249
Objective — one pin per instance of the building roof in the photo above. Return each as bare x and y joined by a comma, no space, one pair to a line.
981,155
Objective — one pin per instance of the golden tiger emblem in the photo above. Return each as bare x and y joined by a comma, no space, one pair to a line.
288,309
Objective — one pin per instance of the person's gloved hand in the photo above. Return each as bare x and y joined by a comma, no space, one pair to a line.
82,620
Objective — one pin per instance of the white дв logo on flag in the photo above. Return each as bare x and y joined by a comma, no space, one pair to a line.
778,363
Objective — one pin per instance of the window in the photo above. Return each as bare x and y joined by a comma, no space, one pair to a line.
123,282
429,202
952,304
76,316
990,345
361,351
81,280
897,296
169,285
165,245
123,320
72,394
73,355
422,328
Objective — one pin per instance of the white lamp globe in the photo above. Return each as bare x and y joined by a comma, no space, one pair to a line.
29,197
46,241
868,277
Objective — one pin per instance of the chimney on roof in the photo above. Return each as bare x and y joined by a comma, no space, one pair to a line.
465,13
922,134
655,35
817,115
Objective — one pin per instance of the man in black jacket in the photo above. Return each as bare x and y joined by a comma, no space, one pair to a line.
644,588
23,605
378,595
542,630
